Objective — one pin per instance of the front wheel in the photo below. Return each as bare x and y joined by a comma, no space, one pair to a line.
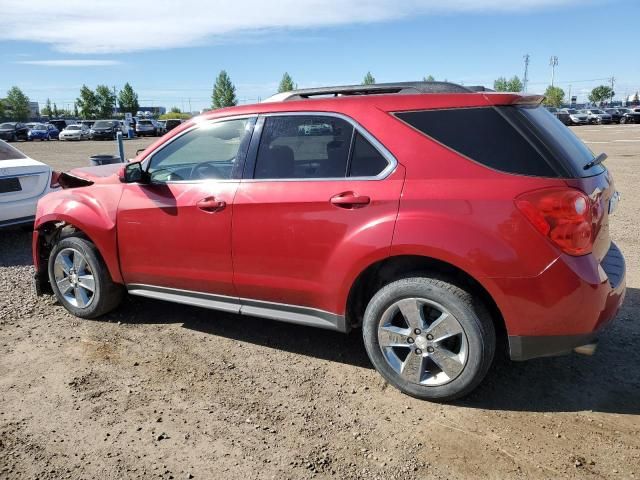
429,338
80,279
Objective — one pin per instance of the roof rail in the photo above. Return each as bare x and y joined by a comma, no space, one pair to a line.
376,89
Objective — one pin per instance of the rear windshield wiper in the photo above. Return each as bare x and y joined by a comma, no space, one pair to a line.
596,161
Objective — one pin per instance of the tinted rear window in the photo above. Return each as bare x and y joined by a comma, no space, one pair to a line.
7,152
521,140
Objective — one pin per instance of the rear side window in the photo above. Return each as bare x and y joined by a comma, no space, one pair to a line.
521,140
302,146
315,146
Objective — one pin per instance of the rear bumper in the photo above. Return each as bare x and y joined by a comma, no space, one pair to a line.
565,307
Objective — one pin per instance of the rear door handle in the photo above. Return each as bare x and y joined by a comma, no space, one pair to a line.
350,200
211,205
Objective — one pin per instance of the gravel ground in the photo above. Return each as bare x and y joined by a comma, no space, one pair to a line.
157,390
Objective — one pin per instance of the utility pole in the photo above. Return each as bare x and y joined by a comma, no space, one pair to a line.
612,79
553,63
115,101
570,104
526,73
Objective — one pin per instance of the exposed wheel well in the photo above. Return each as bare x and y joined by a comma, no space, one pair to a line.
376,276
48,234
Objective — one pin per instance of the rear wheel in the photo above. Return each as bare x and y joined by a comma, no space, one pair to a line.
429,338
80,279
623,120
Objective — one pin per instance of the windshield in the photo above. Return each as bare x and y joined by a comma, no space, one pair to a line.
598,112
7,152
6,125
145,122
572,111
39,126
73,127
102,125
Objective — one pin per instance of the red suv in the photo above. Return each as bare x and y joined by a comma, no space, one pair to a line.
445,221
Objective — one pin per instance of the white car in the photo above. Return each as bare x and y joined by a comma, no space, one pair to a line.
23,181
74,132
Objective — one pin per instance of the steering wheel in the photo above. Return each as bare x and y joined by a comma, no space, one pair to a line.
205,170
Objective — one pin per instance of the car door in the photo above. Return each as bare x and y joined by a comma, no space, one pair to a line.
175,231
309,211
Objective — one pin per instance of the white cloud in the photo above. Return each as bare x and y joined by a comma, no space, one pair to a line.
78,26
70,63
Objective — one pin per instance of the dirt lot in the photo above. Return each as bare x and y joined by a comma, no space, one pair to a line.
165,391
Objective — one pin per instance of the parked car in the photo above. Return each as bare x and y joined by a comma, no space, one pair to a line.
595,115
23,181
147,128
74,132
172,123
438,228
14,131
615,114
41,131
576,117
60,124
105,129
162,126
630,115
560,115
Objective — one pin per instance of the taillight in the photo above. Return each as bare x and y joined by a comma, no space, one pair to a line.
54,179
564,215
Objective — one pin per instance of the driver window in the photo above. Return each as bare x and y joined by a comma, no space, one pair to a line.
207,152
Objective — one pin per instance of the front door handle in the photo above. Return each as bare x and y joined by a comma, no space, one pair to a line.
211,205
350,200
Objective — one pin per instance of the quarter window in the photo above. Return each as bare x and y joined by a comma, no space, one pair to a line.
366,160
211,151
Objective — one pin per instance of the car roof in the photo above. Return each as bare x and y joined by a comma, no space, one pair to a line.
392,98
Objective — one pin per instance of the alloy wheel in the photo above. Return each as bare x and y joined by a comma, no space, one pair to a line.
74,278
422,341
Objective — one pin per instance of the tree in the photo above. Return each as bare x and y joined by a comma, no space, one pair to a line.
175,110
501,84
286,83
87,102
2,112
224,93
368,79
554,96
76,114
128,100
17,104
47,108
105,101
55,111
601,94
428,78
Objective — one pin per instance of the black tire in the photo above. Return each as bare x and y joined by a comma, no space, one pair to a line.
107,295
470,314
623,120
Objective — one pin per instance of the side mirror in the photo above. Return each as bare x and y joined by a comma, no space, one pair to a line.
133,173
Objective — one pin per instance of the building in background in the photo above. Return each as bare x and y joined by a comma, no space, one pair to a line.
34,111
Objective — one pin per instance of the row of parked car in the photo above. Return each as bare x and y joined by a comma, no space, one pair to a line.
83,129
591,116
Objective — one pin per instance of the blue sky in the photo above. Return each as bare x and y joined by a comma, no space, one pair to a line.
171,52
